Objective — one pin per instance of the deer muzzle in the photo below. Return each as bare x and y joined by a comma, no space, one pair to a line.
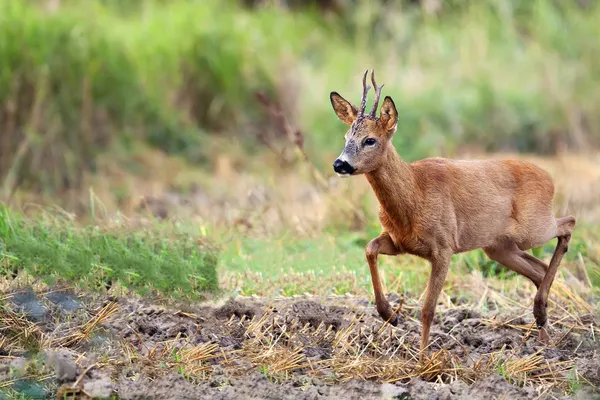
343,168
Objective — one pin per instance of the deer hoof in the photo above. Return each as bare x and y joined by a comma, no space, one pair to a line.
543,335
393,320
422,357
387,314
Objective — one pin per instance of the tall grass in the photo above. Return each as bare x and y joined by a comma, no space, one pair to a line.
495,73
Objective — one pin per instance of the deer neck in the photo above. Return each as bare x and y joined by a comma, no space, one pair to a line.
395,186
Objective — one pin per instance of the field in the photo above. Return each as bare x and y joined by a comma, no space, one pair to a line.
293,316
171,227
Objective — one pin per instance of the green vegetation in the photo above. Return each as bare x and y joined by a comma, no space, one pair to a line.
501,74
335,264
162,258
179,260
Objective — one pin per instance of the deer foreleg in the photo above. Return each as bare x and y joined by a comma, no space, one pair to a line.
382,244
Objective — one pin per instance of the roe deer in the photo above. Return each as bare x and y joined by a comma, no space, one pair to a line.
437,207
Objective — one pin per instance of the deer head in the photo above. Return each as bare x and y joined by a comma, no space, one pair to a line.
369,137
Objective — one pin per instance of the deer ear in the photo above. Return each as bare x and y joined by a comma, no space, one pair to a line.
388,117
342,107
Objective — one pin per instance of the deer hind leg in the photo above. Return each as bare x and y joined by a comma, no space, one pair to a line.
439,270
382,244
564,229
508,254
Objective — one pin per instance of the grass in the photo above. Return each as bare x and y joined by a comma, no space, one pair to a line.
162,259
168,259
336,264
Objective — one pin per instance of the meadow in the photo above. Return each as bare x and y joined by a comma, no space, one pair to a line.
170,217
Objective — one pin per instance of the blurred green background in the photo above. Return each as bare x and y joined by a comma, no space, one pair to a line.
80,78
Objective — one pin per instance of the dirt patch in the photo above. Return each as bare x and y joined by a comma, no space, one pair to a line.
302,348
254,386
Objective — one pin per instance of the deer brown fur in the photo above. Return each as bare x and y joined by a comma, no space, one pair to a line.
437,207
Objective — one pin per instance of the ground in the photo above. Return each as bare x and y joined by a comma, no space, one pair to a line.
303,347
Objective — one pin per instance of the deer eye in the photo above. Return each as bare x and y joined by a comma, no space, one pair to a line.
370,142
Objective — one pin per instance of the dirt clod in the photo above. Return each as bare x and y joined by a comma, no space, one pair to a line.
65,301
234,307
28,303
17,366
63,364
496,386
314,314
100,388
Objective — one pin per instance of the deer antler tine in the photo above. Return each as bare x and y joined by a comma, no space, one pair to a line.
363,100
377,93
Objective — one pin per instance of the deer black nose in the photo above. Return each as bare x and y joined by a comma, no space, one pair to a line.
342,167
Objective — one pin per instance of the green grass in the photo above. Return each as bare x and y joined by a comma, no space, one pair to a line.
178,260
286,266
336,264
162,258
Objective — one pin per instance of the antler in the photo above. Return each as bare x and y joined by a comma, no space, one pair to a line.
377,93
363,100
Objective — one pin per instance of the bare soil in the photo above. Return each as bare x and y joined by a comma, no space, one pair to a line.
290,348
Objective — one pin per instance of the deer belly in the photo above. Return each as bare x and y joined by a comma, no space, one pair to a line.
409,244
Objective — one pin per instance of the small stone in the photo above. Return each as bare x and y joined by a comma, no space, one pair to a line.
67,302
64,365
18,366
317,382
390,391
99,389
28,303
